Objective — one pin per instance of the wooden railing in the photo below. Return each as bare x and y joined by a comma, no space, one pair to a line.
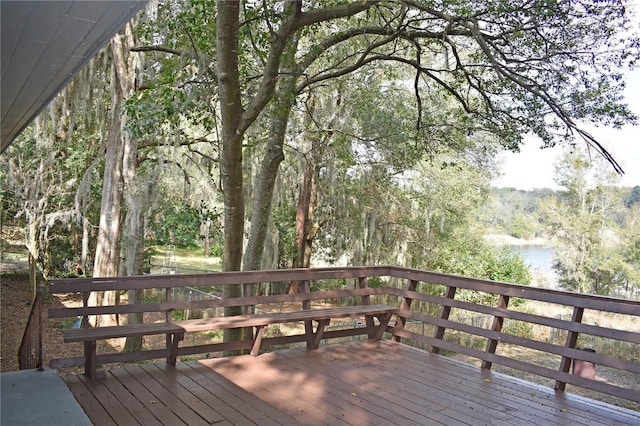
620,344
30,350
434,313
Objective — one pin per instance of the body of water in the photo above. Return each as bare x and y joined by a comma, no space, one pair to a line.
540,260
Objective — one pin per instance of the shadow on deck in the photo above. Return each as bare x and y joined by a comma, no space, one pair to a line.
357,383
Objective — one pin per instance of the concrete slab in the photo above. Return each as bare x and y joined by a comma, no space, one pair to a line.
31,397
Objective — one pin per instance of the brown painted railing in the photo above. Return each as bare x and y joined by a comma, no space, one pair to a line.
620,344
435,310
30,350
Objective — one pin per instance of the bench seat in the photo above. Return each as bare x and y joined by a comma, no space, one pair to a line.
175,329
262,319
112,332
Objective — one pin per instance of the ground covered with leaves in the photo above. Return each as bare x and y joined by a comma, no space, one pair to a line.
15,309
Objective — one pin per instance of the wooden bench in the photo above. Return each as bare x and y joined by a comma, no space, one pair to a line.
175,330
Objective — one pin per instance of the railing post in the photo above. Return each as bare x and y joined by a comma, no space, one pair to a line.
366,300
444,314
405,306
572,340
492,344
306,305
248,332
167,317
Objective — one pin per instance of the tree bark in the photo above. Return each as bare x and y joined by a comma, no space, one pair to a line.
231,111
274,155
118,147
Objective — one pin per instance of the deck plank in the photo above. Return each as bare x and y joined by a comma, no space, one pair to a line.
251,408
144,396
356,383
468,388
407,400
166,396
137,409
87,400
529,403
110,403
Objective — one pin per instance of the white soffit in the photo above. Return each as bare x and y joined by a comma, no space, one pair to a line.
44,44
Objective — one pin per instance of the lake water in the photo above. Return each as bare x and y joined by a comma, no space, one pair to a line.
540,260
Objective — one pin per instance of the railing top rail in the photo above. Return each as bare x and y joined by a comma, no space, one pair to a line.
214,278
561,297
586,301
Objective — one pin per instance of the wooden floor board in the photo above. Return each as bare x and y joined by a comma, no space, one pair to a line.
87,400
191,401
166,396
194,395
251,408
415,405
356,383
141,413
371,391
326,400
162,413
457,390
109,401
538,400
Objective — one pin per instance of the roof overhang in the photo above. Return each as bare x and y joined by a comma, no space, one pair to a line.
44,44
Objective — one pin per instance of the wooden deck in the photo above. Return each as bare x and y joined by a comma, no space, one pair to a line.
357,383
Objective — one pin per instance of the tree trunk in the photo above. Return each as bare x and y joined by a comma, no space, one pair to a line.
134,259
231,156
265,182
118,144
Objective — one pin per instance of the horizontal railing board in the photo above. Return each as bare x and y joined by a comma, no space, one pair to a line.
607,361
120,357
211,303
268,342
587,301
623,335
212,279
630,394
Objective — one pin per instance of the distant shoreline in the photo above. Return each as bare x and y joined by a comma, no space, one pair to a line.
508,240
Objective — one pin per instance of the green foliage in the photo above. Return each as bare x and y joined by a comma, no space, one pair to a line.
593,253
178,224
518,328
214,335
284,219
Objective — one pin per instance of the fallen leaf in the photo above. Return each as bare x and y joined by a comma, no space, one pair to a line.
487,380
353,394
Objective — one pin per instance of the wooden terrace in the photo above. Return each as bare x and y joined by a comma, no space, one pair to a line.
356,383
366,369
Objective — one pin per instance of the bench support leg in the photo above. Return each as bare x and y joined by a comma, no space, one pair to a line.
172,342
308,331
317,337
91,362
384,321
257,341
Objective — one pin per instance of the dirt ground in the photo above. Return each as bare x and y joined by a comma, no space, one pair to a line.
15,309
